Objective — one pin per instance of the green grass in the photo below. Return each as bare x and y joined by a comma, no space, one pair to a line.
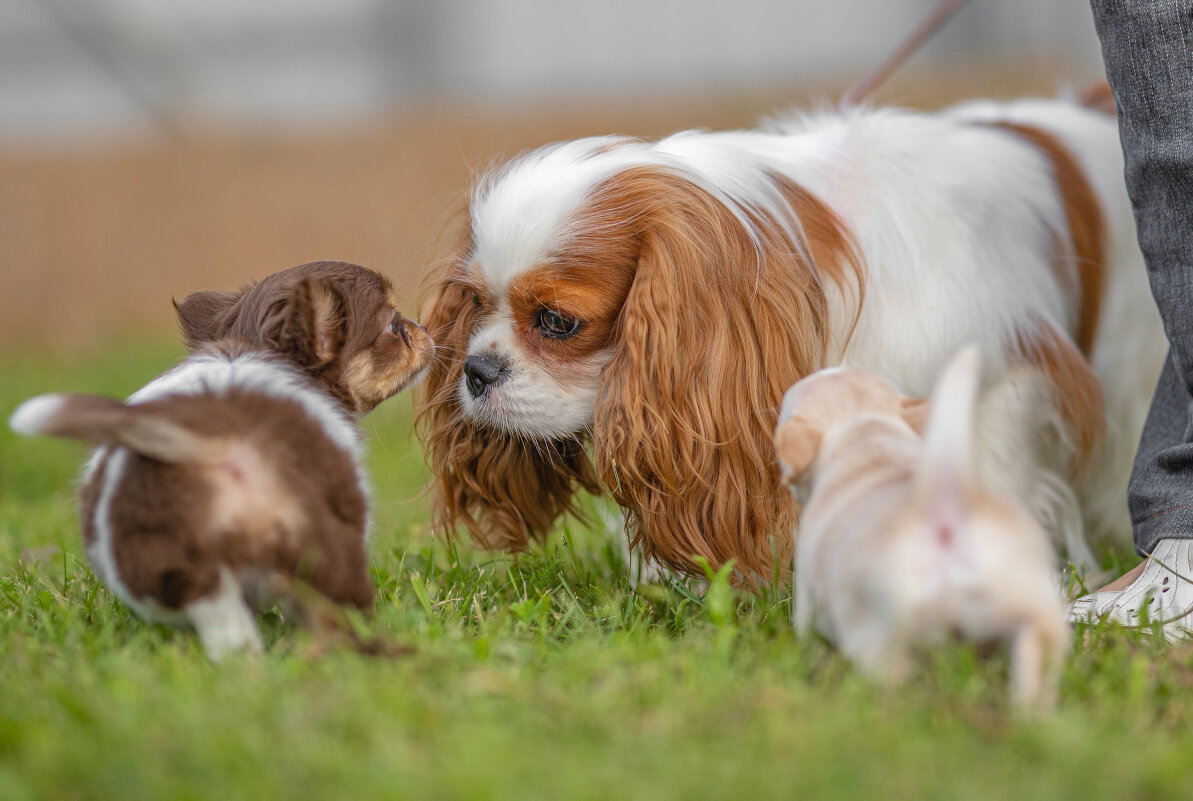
540,677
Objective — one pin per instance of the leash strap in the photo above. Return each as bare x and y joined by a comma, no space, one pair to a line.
943,12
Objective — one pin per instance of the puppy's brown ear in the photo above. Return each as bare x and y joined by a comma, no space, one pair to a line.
797,442
915,413
312,325
205,316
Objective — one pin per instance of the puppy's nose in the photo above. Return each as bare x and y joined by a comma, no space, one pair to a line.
481,372
409,327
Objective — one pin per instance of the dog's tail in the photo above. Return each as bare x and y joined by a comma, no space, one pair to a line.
106,421
947,474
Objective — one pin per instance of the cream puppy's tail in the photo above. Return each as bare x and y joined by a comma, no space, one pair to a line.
949,493
946,479
100,420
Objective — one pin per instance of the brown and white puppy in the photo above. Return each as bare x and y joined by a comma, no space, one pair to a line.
900,545
238,471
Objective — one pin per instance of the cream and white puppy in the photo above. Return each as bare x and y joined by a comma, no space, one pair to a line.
899,544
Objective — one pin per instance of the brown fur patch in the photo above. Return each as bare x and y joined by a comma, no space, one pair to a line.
247,494
583,290
829,242
1081,256
1078,391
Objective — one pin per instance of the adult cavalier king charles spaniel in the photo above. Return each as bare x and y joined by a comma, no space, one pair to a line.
623,316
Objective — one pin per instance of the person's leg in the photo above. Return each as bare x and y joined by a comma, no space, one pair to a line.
1160,494
1149,64
1147,46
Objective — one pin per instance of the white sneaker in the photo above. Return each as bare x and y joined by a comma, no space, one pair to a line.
1163,592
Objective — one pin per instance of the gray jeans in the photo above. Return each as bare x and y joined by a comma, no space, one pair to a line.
1148,49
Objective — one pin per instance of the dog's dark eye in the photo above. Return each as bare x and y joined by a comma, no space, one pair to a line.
555,325
476,300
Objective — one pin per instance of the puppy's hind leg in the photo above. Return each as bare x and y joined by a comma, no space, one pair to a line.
224,622
1037,659
802,611
880,652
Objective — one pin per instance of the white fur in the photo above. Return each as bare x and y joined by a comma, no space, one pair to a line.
211,372
32,415
954,222
522,211
224,622
101,552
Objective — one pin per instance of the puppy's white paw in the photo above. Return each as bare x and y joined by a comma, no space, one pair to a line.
224,622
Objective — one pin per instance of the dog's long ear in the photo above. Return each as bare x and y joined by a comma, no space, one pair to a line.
206,316
503,489
310,324
797,443
725,312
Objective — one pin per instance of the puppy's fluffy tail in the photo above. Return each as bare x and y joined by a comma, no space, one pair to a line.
946,480
105,421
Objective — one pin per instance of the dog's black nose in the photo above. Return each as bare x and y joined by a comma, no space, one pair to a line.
481,372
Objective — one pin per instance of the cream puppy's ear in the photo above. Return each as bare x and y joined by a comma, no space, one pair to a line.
797,442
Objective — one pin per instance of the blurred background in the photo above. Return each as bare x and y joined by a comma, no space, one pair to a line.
149,148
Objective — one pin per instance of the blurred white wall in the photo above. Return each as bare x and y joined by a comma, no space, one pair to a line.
77,67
